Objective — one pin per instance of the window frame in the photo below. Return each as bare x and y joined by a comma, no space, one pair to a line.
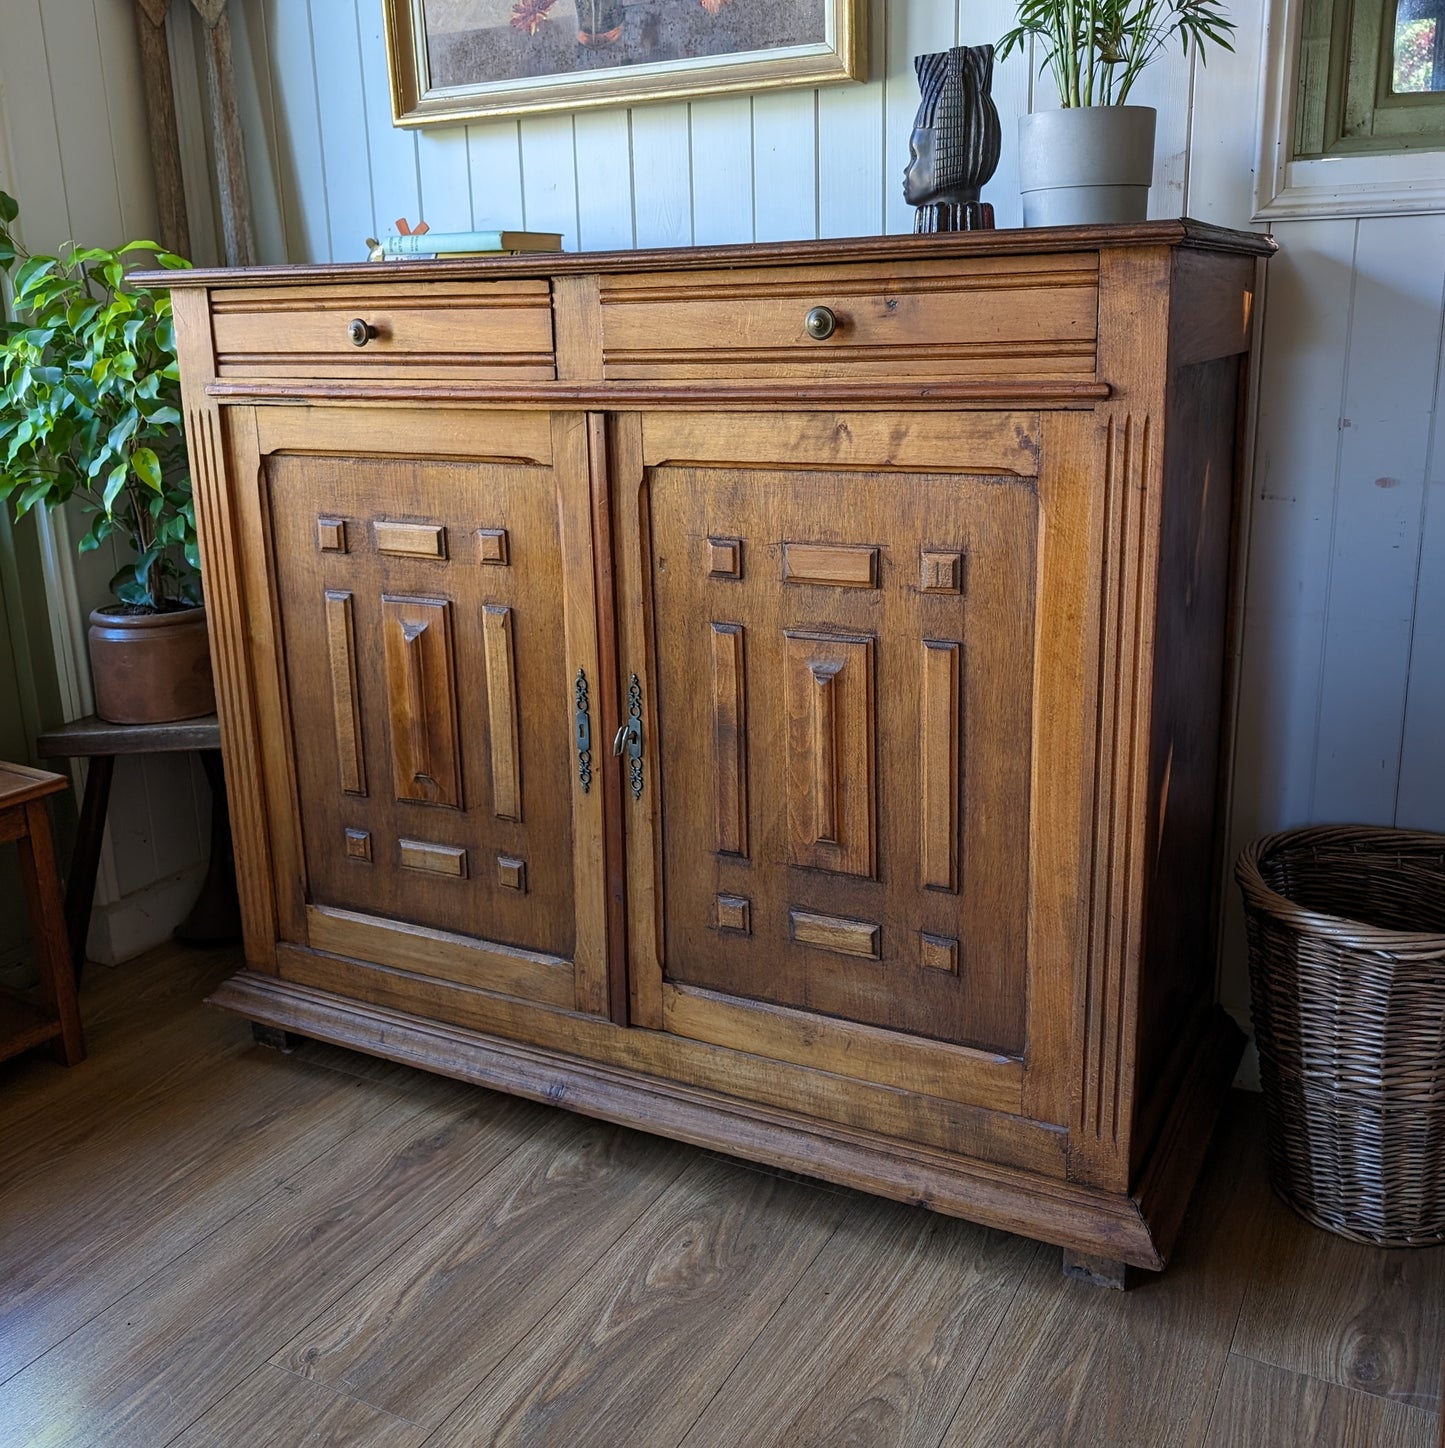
1364,183
1347,107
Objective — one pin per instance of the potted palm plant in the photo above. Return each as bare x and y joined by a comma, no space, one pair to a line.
90,411
1093,159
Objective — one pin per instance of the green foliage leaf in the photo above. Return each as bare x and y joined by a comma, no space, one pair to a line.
29,496
113,484
136,582
101,527
123,430
90,408
30,273
81,312
96,461
147,468
1096,49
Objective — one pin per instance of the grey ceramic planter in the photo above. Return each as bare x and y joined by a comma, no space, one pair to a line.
1086,164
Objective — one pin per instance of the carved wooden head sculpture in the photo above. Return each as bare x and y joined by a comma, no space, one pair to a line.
955,143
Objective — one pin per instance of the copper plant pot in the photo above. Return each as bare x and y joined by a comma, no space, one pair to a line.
151,668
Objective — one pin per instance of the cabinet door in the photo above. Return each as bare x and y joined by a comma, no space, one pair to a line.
433,624
833,626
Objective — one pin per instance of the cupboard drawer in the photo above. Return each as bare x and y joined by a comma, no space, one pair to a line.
1034,317
482,330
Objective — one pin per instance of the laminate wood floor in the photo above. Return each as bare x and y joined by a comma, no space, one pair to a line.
203,1242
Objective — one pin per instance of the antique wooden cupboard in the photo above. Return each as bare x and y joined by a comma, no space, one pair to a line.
769,696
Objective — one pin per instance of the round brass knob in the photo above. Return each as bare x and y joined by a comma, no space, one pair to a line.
360,332
820,323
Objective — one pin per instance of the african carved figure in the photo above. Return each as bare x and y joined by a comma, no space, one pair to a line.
954,148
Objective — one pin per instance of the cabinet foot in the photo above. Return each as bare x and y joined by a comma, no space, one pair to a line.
1101,1271
276,1038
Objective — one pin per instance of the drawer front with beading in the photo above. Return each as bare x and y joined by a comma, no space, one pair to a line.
995,317
499,331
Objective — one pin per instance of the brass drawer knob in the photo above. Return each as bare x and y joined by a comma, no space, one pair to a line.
360,332
821,323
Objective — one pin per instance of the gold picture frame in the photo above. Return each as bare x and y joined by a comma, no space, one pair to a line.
467,60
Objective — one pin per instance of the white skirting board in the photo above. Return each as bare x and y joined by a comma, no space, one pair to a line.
127,927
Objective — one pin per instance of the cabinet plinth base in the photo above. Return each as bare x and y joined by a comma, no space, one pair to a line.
1098,1271
1137,1229
275,1039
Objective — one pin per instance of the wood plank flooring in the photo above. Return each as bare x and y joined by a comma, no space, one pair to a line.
203,1242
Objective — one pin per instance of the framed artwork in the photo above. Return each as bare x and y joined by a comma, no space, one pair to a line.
460,60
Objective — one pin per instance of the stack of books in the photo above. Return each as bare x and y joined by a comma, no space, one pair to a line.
429,245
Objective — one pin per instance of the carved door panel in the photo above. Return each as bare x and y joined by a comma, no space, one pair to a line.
842,659
434,585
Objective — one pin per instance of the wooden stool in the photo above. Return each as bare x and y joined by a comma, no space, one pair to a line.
216,916
25,818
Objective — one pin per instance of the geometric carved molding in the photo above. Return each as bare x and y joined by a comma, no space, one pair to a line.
828,688
433,859
1111,954
840,565
358,845
230,637
938,766
492,546
733,913
941,573
512,873
729,732
411,540
938,952
345,698
832,932
502,713
724,557
331,535
422,697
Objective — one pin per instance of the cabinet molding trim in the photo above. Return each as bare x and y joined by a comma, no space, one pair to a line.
876,395
1138,1229
934,1068
345,700
526,974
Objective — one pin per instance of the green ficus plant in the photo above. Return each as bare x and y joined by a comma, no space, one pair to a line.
90,409
1096,49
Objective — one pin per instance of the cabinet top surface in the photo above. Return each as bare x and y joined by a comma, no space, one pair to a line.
1011,242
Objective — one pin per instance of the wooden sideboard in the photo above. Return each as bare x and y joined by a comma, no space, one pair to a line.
769,696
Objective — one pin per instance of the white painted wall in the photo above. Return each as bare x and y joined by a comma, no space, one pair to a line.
779,166
73,151
1342,712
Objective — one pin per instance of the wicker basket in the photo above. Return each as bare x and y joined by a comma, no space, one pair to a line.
1347,973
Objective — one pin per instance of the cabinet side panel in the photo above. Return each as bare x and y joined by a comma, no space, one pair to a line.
1133,341
228,624
1189,688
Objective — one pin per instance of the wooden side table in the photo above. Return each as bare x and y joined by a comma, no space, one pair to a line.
25,819
215,918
